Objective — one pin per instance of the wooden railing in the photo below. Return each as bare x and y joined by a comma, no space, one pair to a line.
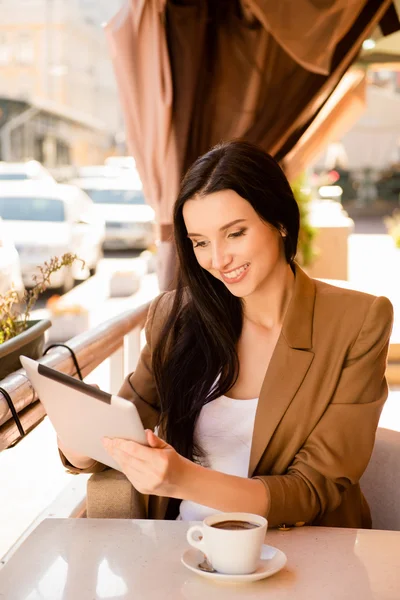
117,339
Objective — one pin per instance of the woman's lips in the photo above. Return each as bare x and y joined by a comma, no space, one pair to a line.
235,275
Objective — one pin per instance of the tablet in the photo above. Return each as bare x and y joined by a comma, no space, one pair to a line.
81,414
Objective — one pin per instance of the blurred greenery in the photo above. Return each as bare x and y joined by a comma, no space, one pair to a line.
306,250
393,227
14,316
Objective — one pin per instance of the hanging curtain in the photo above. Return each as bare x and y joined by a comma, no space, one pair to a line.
192,73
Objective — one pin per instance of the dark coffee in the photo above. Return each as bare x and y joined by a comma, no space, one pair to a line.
235,525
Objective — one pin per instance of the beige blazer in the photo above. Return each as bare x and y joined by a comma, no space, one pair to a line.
319,404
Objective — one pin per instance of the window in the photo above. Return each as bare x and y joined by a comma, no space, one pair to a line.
25,51
5,49
31,209
24,84
14,176
116,196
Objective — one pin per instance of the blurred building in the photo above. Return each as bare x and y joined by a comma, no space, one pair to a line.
373,142
99,11
58,97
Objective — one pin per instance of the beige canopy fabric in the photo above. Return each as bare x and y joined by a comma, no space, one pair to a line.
140,56
308,31
344,107
192,73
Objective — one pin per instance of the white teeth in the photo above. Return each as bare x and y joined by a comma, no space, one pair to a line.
236,273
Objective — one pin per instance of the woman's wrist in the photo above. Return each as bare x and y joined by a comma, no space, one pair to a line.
227,493
182,481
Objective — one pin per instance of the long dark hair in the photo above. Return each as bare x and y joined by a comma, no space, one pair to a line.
195,358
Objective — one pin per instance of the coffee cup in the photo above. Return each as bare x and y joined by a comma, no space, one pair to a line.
232,542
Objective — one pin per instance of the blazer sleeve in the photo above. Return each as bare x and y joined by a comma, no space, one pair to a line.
138,387
338,450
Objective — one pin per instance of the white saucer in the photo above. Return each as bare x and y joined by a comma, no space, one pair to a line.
272,560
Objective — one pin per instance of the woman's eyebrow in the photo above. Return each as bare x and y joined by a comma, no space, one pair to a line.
223,228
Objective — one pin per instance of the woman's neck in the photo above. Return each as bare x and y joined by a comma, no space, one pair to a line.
267,306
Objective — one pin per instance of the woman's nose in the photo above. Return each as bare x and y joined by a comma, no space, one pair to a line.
220,258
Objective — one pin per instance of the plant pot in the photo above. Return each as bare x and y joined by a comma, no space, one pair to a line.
29,343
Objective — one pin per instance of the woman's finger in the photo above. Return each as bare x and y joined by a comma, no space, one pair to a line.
126,461
129,463
127,446
154,441
122,458
140,476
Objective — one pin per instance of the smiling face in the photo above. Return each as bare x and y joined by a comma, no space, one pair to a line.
231,241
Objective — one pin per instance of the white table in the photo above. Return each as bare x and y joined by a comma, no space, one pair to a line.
87,559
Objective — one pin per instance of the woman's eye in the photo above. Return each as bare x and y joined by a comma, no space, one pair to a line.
199,244
236,234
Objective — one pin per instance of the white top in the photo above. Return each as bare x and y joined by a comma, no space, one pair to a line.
224,431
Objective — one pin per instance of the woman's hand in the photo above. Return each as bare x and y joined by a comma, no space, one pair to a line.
159,470
154,469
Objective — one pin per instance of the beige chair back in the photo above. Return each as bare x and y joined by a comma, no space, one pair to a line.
380,483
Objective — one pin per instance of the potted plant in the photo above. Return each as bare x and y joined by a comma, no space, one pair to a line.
19,334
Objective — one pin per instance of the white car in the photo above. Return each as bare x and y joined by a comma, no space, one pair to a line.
121,203
47,220
97,171
20,171
121,162
10,267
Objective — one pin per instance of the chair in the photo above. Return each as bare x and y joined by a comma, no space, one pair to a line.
380,483
110,495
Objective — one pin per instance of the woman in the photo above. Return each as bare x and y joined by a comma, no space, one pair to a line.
264,386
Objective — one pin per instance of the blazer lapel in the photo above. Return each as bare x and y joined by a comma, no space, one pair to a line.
289,364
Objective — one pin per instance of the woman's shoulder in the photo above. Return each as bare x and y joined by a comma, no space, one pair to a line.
351,303
344,290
